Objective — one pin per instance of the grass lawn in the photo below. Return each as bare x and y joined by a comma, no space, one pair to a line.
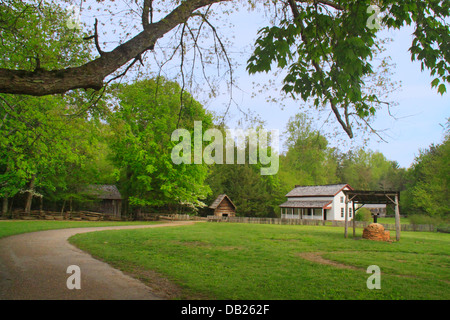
251,261
11,227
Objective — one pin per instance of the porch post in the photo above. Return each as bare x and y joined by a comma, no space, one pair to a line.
353,220
397,219
346,217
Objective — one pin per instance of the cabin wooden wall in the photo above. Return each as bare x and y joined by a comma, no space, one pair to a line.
106,206
225,207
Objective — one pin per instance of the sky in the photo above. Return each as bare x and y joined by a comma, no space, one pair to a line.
420,112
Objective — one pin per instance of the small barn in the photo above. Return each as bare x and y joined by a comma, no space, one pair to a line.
223,206
108,199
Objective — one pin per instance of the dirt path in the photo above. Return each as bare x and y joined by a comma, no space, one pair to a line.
34,266
317,257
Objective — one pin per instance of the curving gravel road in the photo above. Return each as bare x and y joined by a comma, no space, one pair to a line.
33,266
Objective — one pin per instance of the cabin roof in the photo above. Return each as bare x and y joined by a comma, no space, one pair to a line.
104,191
219,200
305,204
314,191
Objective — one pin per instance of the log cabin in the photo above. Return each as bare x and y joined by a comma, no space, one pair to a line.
223,206
107,199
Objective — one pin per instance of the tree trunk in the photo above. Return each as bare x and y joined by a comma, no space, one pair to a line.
125,210
5,199
137,213
41,205
5,206
30,195
126,195
63,206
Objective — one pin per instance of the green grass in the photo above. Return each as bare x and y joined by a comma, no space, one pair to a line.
250,261
12,227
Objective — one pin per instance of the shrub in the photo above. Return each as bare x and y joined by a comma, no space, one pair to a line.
363,214
443,229
442,224
424,219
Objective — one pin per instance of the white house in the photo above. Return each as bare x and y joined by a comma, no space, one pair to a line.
325,202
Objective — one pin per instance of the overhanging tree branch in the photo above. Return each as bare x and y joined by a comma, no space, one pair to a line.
97,44
92,74
345,124
147,13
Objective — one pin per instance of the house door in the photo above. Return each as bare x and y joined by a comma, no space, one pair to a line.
325,214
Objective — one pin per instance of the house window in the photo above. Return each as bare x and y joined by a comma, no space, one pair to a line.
342,199
342,212
350,212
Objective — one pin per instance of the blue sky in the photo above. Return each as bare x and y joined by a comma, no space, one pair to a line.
421,110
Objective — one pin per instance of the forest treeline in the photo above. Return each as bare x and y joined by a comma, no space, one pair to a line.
52,148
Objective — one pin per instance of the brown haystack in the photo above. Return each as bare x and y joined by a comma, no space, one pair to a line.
375,231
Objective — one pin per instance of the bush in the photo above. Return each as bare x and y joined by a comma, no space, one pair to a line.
363,214
443,229
442,224
425,219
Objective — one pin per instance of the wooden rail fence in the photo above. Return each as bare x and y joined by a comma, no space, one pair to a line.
310,222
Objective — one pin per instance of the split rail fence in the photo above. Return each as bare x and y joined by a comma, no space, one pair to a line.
310,222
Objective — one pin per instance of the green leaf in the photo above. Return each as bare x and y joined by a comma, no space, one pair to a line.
435,82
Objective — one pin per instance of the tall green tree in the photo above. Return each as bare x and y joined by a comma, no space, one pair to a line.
143,118
42,147
44,141
428,188
369,170
253,193
36,38
308,159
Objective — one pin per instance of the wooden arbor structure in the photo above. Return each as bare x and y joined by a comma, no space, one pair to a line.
372,197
